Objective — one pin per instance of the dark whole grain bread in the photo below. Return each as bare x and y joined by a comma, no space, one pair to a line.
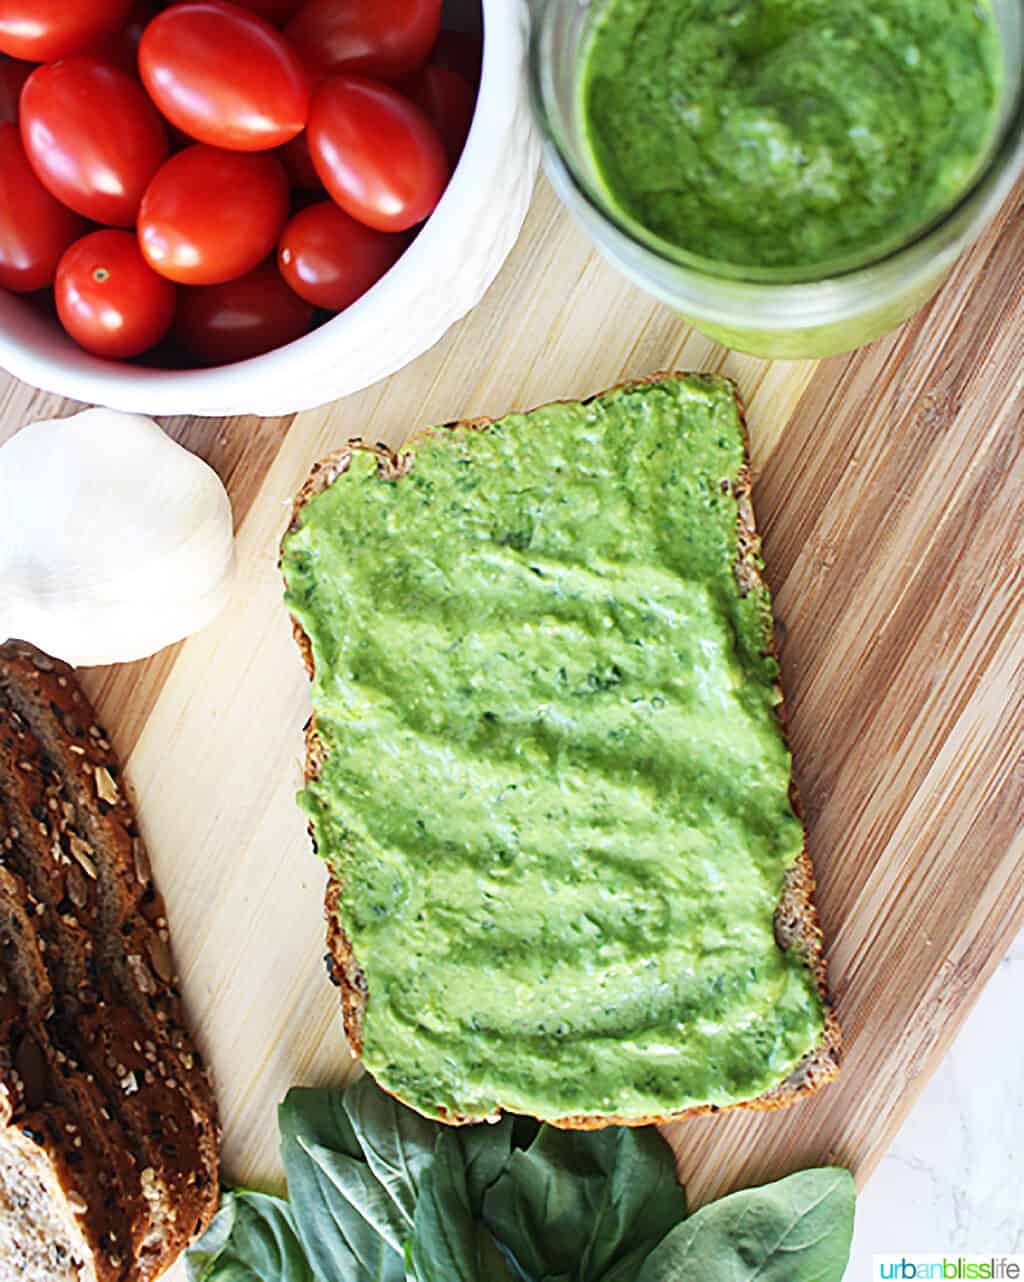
46,1098
89,986
796,918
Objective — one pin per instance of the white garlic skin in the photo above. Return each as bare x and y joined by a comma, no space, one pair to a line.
115,541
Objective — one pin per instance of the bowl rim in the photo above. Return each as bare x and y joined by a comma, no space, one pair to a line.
95,380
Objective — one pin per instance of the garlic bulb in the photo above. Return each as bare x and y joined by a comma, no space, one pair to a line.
115,541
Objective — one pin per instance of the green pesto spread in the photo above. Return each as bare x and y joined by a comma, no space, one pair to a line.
790,133
555,790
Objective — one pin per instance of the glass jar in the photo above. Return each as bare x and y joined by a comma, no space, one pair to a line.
771,315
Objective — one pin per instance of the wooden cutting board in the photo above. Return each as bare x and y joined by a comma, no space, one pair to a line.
890,489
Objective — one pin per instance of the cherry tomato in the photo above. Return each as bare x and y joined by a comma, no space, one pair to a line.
93,137
12,76
461,52
330,259
219,324
379,156
299,163
449,100
211,215
109,300
275,11
35,229
385,39
43,30
224,76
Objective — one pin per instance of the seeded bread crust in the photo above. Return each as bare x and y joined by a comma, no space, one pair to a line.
114,1023
796,918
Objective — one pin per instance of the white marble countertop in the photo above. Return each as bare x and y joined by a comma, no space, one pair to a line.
953,1181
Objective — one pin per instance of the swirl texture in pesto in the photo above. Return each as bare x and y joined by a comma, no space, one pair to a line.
790,133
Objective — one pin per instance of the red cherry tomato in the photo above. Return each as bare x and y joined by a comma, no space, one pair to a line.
219,324
43,30
108,300
12,76
224,76
461,52
385,39
330,259
35,229
93,137
299,163
379,156
449,100
211,215
275,11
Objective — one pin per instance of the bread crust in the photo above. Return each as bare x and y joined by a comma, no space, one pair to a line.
100,923
797,924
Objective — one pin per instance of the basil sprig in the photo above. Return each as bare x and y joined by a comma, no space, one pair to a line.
378,1193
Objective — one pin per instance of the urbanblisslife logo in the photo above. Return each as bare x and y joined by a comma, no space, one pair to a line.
950,1268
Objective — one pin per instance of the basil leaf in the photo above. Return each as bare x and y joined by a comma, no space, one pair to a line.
576,1203
339,1237
448,1245
486,1149
642,1199
397,1142
356,1183
628,1266
796,1230
319,1115
252,1239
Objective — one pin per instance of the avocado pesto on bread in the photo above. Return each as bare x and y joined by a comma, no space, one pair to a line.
547,766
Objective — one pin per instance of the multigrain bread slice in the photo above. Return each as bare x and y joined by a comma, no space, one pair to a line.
47,1099
101,1003
112,965
44,1236
796,921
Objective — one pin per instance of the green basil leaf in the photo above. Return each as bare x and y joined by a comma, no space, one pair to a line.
576,1203
796,1230
339,1239
252,1239
319,1115
628,1266
642,1199
397,1142
448,1245
514,1267
486,1150
357,1184
543,1206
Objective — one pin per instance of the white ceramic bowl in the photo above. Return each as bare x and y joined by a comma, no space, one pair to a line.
437,280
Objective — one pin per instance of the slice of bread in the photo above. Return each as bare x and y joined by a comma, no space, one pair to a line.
90,987
47,1099
796,920
45,1235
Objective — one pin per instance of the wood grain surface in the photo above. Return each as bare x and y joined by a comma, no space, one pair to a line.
890,489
